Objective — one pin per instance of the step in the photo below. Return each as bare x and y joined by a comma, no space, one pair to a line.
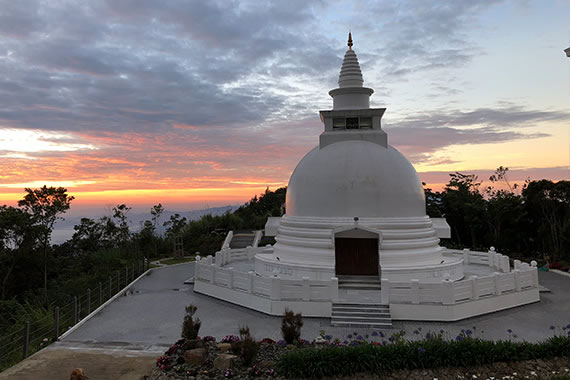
361,314
361,307
361,324
360,286
367,279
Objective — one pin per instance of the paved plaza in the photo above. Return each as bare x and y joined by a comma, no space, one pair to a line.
124,339
151,316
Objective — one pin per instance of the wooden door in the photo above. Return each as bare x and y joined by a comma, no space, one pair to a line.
356,257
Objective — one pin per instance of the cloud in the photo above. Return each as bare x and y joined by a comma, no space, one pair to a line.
420,135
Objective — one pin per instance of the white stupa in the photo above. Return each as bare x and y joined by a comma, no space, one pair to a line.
355,205
356,244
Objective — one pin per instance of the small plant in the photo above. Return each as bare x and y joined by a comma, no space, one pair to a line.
164,363
246,347
191,325
208,338
291,326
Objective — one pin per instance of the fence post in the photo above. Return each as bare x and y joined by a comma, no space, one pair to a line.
534,274
88,301
74,310
415,289
475,287
385,291
100,293
26,338
110,287
212,274
56,318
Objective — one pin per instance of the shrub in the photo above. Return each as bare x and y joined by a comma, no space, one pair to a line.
191,325
230,339
246,347
291,326
428,353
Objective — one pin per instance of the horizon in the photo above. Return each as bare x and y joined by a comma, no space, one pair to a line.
211,103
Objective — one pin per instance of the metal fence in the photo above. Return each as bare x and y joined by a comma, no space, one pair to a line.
39,333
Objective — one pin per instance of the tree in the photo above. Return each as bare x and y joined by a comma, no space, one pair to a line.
548,205
174,226
156,211
46,205
464,208
17,235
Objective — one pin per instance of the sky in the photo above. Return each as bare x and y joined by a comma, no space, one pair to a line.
197,104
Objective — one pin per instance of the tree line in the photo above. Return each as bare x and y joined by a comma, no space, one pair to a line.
532,221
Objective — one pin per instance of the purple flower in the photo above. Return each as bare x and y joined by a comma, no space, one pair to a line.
468,332
509,331
459,338
374,333
381,334
349,336
416,332
428,335
421,350
359,337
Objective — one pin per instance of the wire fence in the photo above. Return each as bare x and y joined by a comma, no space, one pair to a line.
39,333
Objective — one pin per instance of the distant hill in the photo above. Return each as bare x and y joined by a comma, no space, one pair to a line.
64,228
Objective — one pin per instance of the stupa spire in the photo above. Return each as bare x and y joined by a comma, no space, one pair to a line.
350,74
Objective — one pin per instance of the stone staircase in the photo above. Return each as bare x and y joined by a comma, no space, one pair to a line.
360,304
242,240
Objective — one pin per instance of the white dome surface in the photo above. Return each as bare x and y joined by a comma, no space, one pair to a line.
355,178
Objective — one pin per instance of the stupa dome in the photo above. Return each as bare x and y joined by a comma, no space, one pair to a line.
355,178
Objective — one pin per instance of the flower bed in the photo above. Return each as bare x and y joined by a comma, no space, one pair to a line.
390,355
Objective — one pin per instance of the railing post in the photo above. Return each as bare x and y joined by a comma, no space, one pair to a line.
385,291
250,278
465,255
517,280
275,293
447,297
517,264
88,301
100,294
74,310
231,278
491,256
306,289
26,338
534,274
475,287
497,284
212,274
334,289
415,289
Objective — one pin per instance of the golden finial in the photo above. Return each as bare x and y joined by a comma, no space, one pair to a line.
349,41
